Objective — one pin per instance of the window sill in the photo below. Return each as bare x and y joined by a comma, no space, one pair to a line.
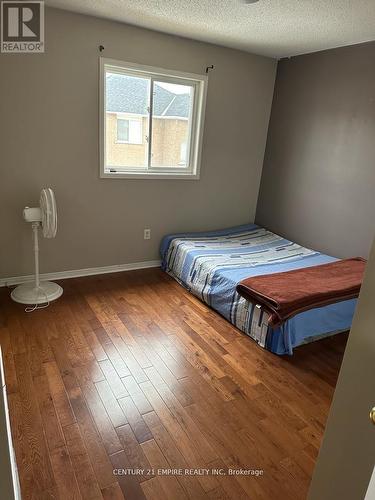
153,175
131,143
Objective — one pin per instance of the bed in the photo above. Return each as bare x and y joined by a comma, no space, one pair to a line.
210,265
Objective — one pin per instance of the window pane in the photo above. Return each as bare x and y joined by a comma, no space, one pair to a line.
122,130
127,102
135,131
171,124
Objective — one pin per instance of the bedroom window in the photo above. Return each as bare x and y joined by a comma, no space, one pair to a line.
151,121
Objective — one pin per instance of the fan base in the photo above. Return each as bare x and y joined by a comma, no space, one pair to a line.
29,294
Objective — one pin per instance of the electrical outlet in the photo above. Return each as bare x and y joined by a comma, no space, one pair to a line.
147,234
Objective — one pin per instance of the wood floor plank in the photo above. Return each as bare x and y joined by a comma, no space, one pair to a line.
95,345
137,395
98,411
51,425
135,419
117,360
130,371
228,484
58,394
117,386
188,438
174,456
129,484
187,423
95,448
153,489
63,362
8,361
33,426
17,335
21,446
218,494
114,410
130,361
81,464
65,478
113,492
155,456
134,452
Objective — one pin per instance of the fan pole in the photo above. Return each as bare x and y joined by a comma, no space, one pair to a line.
35,226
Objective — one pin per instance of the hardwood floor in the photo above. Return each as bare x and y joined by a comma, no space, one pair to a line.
129,371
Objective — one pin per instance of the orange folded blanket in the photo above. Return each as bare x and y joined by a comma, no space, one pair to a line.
291,292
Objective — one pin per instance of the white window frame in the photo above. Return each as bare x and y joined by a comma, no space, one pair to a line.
197,114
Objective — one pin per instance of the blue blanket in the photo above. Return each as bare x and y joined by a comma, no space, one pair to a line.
211,264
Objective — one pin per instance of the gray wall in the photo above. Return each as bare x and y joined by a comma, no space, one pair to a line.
346,457
49,137
318,181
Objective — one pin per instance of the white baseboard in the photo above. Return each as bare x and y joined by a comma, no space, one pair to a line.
91,271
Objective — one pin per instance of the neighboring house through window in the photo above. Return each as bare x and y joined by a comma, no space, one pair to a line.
122,130
183,153
151,121
129,131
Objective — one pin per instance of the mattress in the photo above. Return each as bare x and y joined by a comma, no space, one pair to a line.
210,265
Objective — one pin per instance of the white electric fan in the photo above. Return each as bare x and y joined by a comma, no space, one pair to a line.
44,216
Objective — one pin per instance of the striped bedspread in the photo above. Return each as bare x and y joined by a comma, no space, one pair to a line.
210,265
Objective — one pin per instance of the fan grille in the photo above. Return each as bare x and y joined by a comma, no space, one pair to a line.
49,213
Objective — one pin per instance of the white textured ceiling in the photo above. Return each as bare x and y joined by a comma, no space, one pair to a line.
275,28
